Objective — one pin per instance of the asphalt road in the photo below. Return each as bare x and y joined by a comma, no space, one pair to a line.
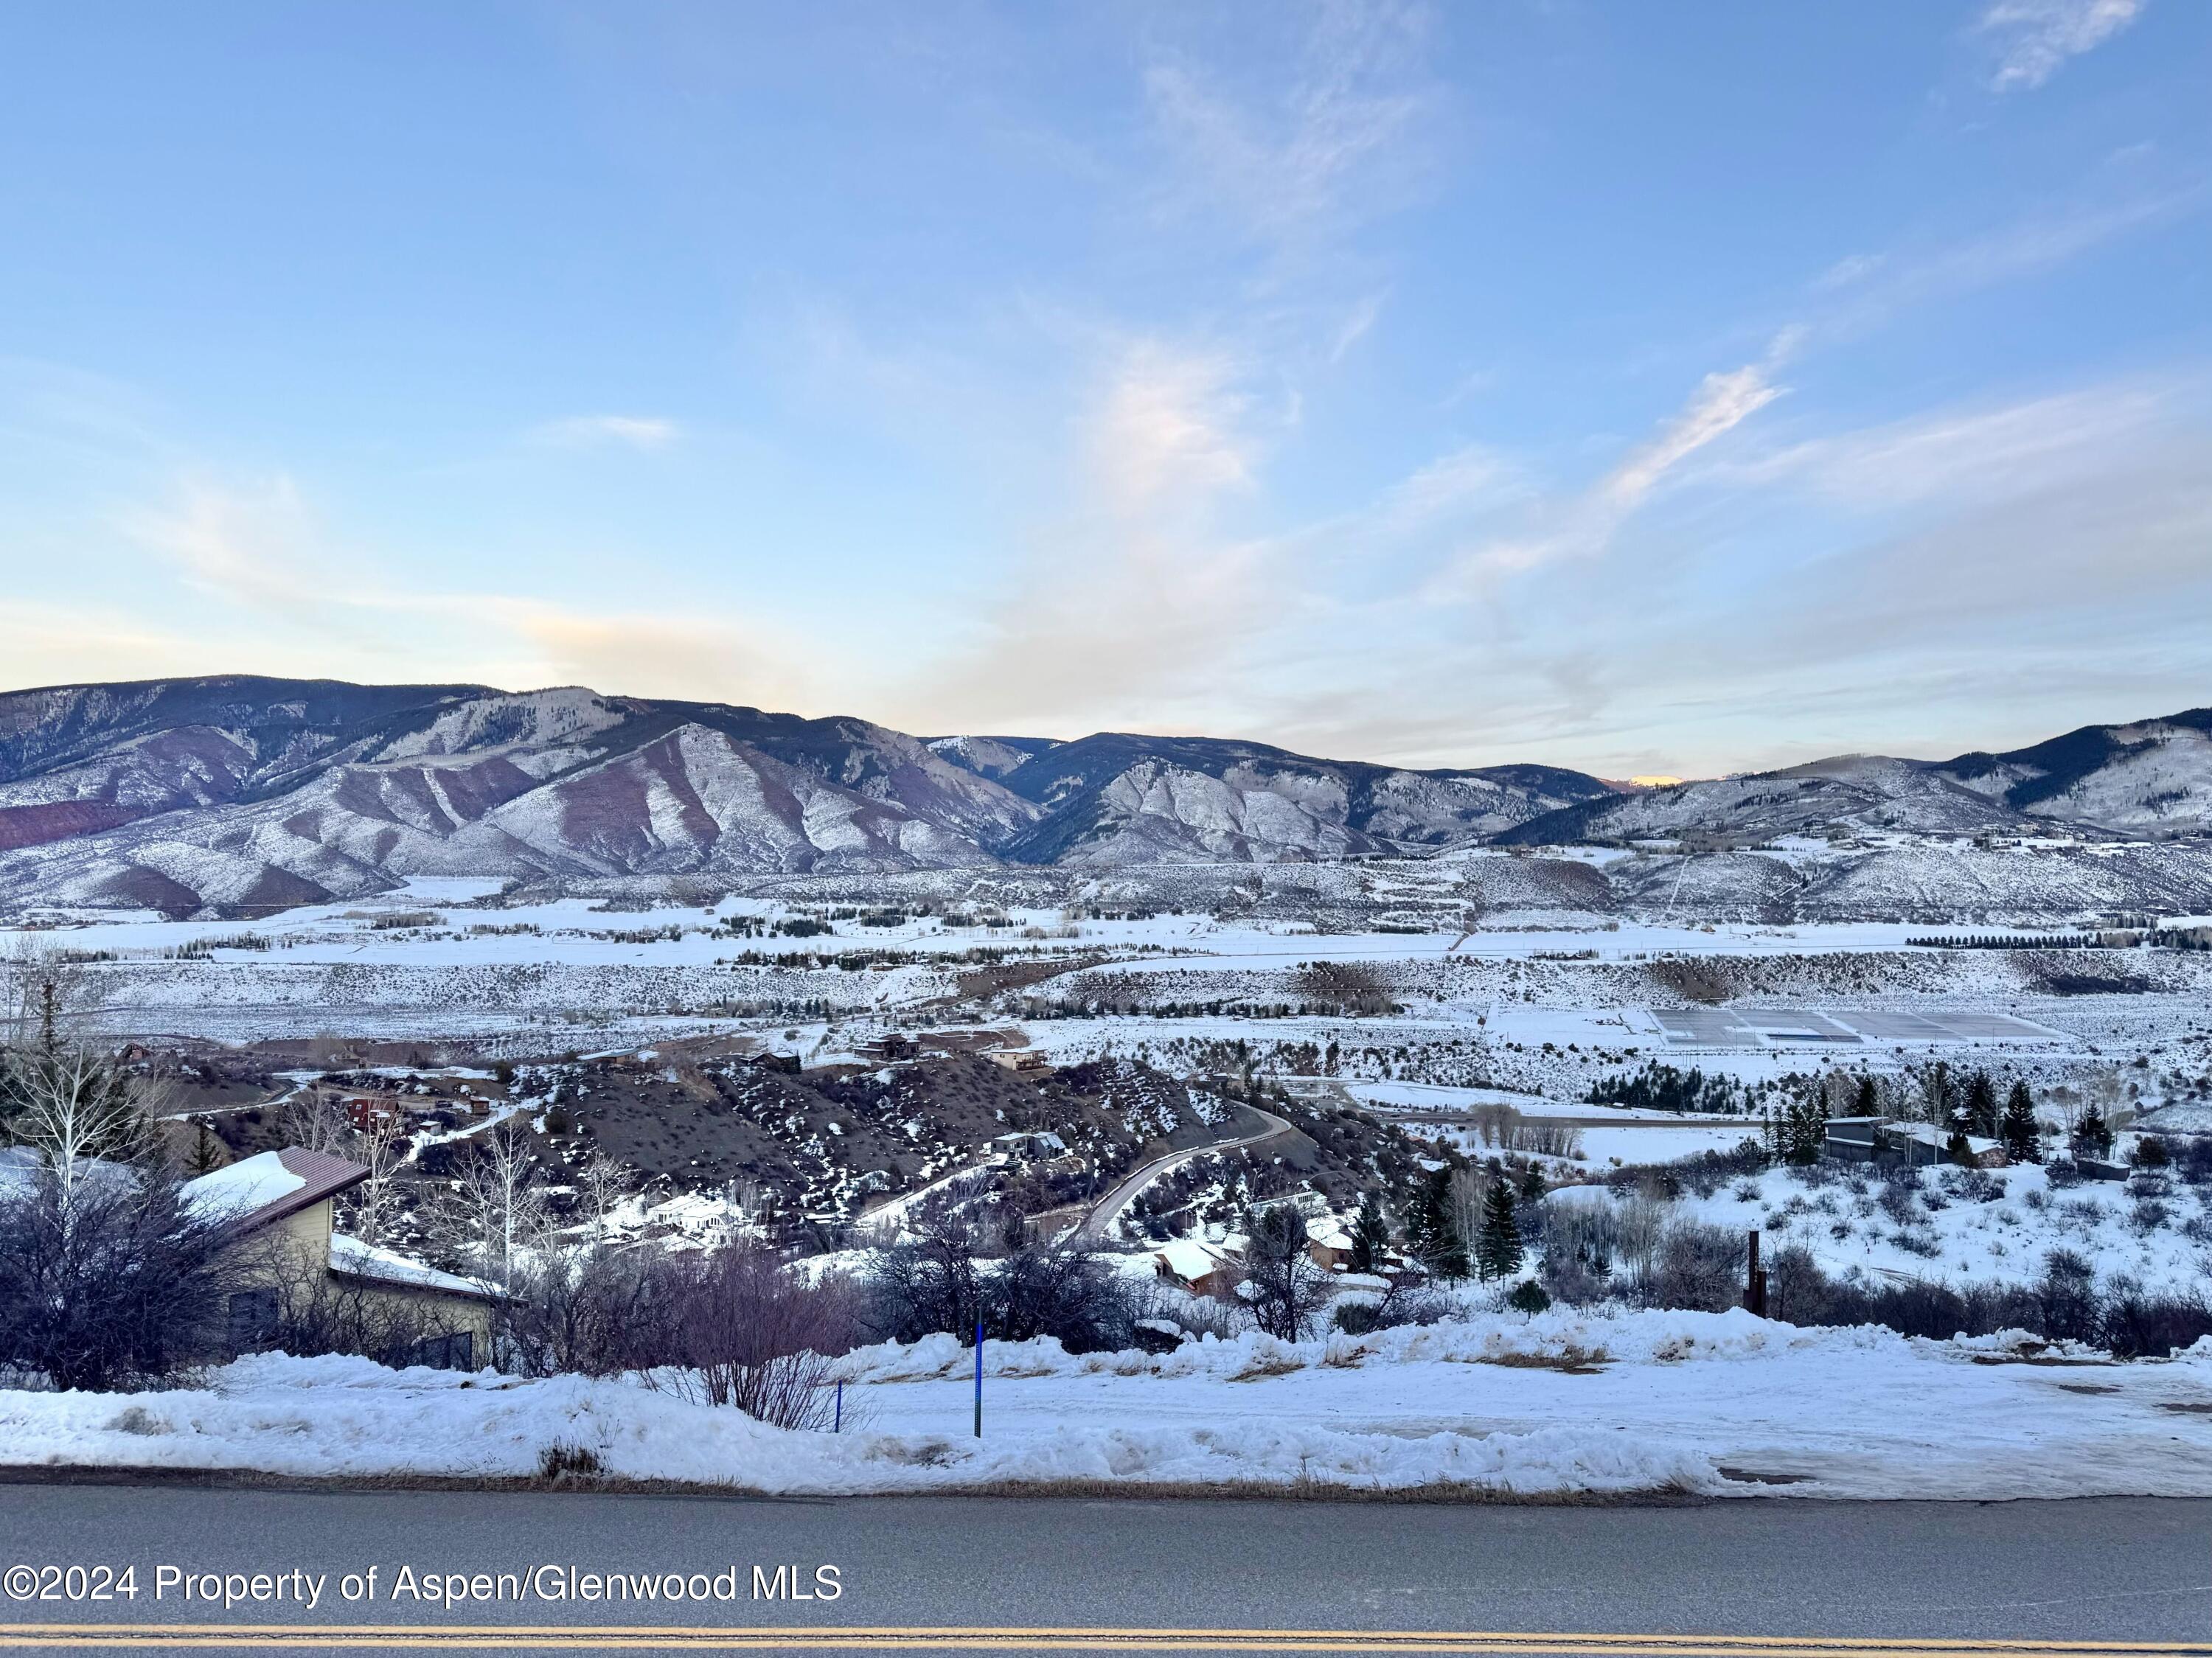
1911,1577
1103,1212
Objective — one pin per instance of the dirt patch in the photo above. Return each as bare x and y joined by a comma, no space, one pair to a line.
1569,1361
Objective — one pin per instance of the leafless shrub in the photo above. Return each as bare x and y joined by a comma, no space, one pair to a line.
112,1283
1545,1139
1402,1303
1698,1266
752,1335
591,1311
940,1280
316,1312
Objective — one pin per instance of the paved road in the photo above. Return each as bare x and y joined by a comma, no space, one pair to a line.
1911,1575
1100,1220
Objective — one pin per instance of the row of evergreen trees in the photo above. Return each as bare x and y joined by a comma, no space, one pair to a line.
1798,1131
1453,1242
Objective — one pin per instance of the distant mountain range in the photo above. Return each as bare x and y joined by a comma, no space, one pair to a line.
246,794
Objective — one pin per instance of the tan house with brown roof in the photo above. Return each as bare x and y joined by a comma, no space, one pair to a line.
302,1271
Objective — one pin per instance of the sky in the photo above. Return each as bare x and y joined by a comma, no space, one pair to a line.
1666,390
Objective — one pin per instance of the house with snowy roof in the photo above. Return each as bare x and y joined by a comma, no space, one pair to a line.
1193,1264
281,1208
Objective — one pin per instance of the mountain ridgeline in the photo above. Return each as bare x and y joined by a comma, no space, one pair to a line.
238,792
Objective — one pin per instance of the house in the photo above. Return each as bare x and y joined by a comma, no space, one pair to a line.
1883,1139
890,1047
367,1115
1029,1147
1022,1062
280,1207
1327,1243
1204,1269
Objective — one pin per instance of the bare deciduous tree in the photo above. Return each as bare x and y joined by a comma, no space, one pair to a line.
74,1106
498,1216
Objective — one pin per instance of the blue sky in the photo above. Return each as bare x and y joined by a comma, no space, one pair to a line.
1652,389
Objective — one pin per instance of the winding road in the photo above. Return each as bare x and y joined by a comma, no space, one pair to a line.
1107,1209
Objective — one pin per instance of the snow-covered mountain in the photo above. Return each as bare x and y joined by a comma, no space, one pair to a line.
2150,779
249,793
244,793
1115,798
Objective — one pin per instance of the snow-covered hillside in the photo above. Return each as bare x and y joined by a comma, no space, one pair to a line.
242,795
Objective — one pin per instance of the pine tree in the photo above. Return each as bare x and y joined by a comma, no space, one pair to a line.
1868,1103
1371,1235
206,1156
2017,1129
1981,1105
1528,1296
1498,1246
2092,1135
1956,1147
1430,1232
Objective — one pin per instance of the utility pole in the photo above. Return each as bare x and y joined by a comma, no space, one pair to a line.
1754,1292
979,1374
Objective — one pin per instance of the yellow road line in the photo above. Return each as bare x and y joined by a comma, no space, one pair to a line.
82,1637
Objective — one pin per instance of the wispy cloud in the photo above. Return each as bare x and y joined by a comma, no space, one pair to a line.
1584,524
1136,604
252,542
1323,147
1169,429
258,549
1976,452
2035,38
627,431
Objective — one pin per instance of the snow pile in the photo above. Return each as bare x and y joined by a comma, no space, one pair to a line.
1617,1404
349,1416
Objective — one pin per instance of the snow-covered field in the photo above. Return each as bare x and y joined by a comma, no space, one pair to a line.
1626,1404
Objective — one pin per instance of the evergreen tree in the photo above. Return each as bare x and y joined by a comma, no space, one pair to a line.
206,1154
1802,1130
2017,1129
2092,1135
1956,1147
1498,1246
1981,1105
1430,1232
1371,1235
1868,1103
1528,1296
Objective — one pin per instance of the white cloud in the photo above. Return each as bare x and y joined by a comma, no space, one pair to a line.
1327,150
1168,434
631,431
2035,38
1974,453
252,542
1584,524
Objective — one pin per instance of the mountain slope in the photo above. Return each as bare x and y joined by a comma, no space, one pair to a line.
1117,798
244,793
2154,777
2150,777
270,809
